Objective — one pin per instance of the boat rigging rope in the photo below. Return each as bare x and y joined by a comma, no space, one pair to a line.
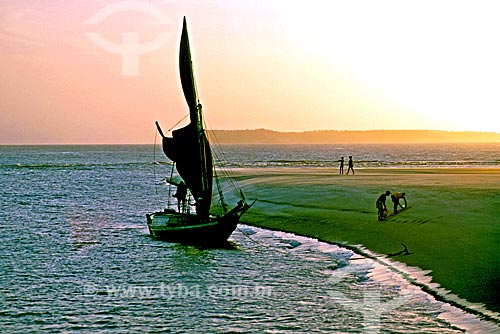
177,123
219,156
170,185
154,171
221,194
155,163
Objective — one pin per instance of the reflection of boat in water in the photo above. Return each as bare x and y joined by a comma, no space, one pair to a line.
191,153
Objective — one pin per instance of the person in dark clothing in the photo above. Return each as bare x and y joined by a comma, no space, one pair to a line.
395,199
350,166
341,172
382,208
181,194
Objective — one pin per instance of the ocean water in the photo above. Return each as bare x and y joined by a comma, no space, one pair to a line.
75,256
364,155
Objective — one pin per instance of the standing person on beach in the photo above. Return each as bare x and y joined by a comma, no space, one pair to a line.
395,199
350,165
341,172
382,208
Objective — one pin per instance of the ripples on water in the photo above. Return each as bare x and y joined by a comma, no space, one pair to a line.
76,257
116,279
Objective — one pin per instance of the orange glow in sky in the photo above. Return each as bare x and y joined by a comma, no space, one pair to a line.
280,65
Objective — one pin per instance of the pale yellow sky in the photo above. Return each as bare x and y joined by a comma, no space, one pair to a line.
66,75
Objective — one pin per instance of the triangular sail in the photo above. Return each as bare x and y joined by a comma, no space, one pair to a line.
187,75
189,146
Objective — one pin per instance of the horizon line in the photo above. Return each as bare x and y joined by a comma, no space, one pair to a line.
251,141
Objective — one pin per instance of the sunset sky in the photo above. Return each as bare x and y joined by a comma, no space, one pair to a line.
281,65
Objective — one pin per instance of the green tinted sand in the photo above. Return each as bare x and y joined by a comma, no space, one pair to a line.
452,226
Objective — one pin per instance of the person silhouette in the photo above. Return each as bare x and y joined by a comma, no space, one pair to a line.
350,165
181,194
395,197
341,172
382,208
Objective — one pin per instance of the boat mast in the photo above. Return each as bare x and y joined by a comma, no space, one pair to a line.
201,143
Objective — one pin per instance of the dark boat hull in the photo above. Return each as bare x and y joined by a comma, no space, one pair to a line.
172,226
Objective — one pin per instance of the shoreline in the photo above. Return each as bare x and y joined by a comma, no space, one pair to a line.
414,275
372,170
452,228
457,312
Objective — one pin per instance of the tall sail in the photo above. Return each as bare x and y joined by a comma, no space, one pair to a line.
187,75
189,146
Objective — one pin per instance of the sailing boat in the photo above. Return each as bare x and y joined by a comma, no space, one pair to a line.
190,151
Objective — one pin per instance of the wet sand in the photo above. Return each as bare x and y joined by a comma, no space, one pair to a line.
452,225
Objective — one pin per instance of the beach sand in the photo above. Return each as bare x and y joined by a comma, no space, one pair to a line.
452,225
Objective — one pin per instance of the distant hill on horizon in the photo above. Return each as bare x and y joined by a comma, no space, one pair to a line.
264,136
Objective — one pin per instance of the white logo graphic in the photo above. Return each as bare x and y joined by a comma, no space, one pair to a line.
129,48
372,305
